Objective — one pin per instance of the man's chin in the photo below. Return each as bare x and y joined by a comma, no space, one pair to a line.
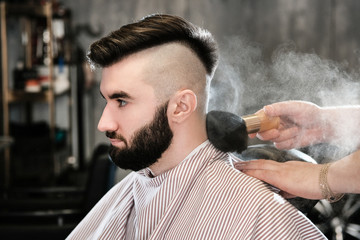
130,160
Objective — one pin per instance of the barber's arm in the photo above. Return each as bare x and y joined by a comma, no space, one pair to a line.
302,179
303,124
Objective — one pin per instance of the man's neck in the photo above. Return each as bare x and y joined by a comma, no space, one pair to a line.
180,147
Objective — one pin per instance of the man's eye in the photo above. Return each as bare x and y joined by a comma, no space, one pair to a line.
122,103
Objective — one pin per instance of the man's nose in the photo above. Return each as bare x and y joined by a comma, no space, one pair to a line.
107,122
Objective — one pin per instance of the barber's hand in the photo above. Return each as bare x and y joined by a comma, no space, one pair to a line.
300,124
293,178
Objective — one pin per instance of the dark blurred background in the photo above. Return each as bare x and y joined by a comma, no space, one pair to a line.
54,163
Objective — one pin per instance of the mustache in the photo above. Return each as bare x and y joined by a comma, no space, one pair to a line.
113,135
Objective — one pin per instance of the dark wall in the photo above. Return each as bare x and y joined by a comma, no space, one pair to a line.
327,27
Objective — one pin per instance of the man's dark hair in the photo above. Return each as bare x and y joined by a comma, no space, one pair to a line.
152,31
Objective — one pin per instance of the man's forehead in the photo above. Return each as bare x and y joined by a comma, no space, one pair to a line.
126,83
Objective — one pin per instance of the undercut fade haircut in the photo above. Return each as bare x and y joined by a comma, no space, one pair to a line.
151,31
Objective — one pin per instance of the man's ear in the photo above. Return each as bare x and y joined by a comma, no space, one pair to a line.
182,105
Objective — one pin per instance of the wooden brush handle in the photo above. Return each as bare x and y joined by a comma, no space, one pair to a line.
260,122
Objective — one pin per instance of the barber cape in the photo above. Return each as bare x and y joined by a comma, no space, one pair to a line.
203,197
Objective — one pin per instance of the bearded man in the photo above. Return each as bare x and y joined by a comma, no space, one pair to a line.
156,77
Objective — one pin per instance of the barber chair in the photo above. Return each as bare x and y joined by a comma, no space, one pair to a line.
52,213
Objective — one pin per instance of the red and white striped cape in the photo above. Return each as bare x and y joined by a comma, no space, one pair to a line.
203,197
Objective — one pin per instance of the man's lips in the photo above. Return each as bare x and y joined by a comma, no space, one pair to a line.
116,142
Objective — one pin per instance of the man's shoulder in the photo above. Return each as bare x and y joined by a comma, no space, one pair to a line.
223,173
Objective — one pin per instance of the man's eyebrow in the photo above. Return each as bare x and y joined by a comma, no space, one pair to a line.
116,95
120,94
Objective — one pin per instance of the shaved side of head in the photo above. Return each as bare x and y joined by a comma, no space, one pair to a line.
174,67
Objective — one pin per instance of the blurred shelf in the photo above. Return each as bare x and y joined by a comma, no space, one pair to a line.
28,10
5,142
36,24
22,96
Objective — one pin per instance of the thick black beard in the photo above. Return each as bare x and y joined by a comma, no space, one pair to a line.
147,144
